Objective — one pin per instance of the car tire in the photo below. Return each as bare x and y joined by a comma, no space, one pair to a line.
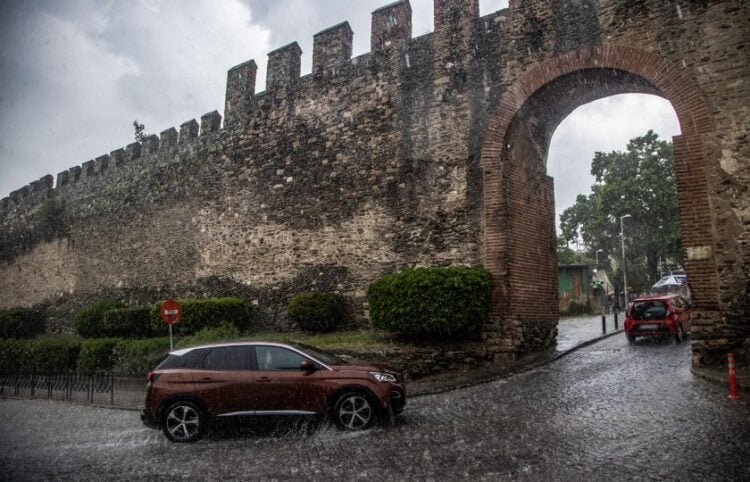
353,411
631,339
678,335
183,422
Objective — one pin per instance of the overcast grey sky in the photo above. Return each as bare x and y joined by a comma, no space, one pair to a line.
76,73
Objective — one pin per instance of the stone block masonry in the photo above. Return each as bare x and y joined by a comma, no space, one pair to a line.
424,151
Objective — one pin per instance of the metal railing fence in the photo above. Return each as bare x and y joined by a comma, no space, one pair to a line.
57,384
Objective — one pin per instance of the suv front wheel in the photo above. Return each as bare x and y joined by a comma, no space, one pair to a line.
183,421
353,411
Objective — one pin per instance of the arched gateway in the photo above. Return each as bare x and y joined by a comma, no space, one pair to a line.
423,151
520,226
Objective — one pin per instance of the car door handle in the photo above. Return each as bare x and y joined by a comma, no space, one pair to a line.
264,379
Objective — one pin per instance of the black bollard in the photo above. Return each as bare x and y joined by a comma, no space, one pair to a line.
616,321
604,324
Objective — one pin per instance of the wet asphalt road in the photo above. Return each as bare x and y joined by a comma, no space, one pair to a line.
609,410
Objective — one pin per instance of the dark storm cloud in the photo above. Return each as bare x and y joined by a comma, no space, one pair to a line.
76,74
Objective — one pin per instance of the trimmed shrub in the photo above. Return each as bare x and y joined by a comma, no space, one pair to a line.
20,323
224,332
51,355
16,355
46,354
431,303
316,312
97,354
138,357
127,322
89,322
200,314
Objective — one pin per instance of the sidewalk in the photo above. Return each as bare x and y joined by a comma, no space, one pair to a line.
572,333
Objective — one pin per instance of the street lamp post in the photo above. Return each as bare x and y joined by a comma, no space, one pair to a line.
624,267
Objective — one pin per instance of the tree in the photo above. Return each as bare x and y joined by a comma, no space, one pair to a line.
139,135
565,255
639,182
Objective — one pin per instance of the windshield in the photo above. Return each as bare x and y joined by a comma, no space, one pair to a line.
319,354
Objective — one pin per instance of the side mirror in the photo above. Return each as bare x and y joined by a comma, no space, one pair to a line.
307,366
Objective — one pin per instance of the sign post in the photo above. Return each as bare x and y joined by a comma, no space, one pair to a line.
170,312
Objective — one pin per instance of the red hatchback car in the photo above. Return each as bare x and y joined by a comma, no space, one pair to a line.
658,315
195,386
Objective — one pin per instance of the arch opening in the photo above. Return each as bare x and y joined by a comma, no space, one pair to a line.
520,235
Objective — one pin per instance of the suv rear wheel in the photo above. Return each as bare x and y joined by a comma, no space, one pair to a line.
353,411
183,421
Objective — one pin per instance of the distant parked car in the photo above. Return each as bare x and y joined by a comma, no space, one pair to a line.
666,316
196,386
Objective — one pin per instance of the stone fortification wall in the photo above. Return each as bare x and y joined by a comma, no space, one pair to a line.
424,151
312,184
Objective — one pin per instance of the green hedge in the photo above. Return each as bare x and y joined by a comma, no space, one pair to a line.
138,357
207,313
97,354
431,303
45,354
316,312
20,323
89,322
127,322
48,354
16,355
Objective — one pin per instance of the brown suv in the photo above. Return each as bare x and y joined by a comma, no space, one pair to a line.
195,386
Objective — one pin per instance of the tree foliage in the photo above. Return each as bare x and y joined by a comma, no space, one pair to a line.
565,255
639,182
138,128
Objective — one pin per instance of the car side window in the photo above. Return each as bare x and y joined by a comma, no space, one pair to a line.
228,358
277,358
191,359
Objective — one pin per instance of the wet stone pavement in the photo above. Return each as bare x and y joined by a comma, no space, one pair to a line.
573,331
609,410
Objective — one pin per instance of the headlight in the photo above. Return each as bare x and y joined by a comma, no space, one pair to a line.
383,377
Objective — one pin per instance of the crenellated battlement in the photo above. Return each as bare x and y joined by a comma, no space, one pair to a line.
169,141
391,26
332,47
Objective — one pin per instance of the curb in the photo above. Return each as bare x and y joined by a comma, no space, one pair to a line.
509,372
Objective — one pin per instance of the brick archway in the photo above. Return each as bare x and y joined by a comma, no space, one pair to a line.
640,71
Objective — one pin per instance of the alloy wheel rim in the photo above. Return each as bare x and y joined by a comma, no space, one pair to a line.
355,412
183,422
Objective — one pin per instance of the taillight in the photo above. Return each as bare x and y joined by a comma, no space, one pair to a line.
151,377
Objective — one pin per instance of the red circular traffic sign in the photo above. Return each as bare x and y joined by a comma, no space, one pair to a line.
170,312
